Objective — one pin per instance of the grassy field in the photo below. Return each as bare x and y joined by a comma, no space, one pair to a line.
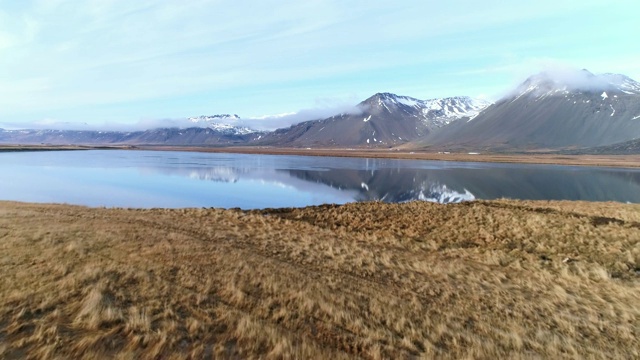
500,279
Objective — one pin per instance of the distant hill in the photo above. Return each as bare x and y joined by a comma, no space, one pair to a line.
623,148
384,120
551,111
166,136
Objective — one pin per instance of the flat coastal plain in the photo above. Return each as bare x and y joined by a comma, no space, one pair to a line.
625,161
484,279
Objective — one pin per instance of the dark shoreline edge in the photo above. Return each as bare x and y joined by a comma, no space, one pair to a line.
615,161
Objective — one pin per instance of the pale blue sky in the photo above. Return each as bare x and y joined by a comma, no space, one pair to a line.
124,61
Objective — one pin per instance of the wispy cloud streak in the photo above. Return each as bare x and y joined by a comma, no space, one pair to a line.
92,61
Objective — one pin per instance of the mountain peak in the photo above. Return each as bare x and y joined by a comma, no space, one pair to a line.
564,81
385,95
439,111
225,123
390,101
213,118
378,99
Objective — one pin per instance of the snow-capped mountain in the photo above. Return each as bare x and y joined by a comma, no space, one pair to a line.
214,118
195,136
577,82
436,112
231,129
384,119
562,110
622,83
553,110
453,108
225,123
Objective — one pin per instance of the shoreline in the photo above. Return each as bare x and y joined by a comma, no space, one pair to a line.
619,161
27,148
616,161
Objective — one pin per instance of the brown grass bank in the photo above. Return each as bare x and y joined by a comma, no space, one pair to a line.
627,161
22,148
29,148
500,279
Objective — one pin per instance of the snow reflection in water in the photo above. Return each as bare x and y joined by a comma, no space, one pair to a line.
182,179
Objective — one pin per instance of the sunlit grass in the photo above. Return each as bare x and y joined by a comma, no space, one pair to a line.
499,279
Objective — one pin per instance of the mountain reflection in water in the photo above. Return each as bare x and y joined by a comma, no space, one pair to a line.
485,182
383,182
184,179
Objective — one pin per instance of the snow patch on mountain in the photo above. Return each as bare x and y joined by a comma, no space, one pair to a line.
214,118
439,111
452,108
623,83
566,82
224,123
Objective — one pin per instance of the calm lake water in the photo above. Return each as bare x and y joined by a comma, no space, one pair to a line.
187,179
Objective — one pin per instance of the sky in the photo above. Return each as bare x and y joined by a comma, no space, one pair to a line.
122,62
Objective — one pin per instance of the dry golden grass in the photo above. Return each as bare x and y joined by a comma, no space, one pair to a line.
500,279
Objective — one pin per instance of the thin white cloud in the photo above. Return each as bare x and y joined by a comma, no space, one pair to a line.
326,108
61,57
285,120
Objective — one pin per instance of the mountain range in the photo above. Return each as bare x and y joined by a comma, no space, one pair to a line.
547,112
221,135
384,120
571,111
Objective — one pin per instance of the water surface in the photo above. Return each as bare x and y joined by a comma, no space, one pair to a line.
185,179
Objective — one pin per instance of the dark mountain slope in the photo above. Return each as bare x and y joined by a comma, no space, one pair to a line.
383,120
546,113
